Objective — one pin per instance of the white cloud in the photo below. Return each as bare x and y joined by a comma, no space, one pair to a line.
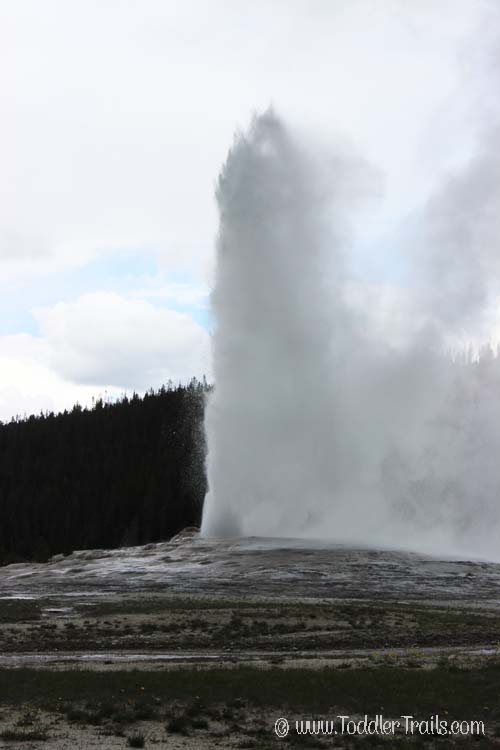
105,338
27,383
116,116
101,343
194,295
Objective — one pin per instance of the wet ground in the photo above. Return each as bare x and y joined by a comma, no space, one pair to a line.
269,604
205,601
191,565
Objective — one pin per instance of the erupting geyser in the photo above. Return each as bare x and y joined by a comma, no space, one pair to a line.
267,426
317,425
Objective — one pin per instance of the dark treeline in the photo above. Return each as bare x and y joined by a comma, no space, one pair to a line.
117,474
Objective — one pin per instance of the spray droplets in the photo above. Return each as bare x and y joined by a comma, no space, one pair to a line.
317,427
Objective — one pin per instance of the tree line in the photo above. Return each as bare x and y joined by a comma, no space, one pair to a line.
120,473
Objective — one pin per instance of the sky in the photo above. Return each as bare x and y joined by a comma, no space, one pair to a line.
115,118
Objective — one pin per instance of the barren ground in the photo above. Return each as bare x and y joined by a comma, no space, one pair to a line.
205,644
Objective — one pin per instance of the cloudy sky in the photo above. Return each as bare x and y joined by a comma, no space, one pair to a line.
115,116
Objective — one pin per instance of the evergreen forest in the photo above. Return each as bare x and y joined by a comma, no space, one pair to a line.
117,474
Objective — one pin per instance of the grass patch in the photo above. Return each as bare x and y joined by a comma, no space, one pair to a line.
19,610
24,735
136,740
185,623
178,724
199,723
119,711
155,605
464,694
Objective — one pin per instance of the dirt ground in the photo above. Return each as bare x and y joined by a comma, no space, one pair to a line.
180,609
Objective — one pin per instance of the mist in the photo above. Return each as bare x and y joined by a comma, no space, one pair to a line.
321,425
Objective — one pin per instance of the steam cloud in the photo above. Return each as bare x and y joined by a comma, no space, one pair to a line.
318,426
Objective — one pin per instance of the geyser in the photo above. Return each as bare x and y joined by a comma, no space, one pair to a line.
317,426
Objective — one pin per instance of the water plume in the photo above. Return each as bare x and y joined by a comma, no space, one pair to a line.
318,425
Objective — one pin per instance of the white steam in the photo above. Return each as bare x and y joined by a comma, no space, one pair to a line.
318,426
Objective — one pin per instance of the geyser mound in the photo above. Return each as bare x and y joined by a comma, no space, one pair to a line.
317,426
